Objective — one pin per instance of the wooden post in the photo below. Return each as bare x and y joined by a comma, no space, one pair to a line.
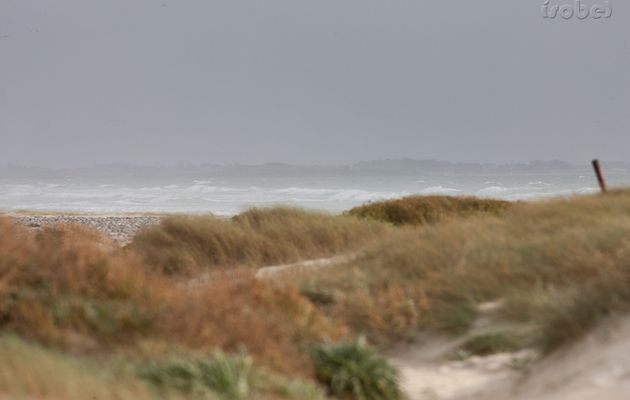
600,176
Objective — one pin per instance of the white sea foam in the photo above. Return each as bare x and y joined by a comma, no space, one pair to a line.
228,197
305,191
440,190
504,191
492,191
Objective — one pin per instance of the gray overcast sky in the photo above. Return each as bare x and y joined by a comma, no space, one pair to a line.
320,81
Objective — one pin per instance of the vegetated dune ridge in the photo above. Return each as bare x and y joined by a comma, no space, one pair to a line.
423,210
557,266
552,270
187,245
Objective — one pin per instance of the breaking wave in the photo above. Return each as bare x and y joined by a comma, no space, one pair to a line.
230,197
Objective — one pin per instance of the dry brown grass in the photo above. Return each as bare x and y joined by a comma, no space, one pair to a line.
422,210
65,283
184,245
67,287
271,320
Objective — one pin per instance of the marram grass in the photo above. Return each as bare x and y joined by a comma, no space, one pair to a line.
353,369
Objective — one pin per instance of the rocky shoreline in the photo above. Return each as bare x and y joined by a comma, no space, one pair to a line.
121,229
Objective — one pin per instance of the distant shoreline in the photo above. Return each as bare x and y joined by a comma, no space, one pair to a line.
378,167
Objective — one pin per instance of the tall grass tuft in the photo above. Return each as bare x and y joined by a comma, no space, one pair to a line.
227,377
353,369
184,245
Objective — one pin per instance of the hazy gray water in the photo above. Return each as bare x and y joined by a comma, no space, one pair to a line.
227,196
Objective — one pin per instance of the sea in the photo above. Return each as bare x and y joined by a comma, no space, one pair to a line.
230,195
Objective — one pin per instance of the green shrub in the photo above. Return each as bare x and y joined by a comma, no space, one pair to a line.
228,377
352,369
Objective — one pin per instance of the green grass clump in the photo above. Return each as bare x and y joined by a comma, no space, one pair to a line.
354,370
421,210
229,376
180,375
226,377
487,343
258,237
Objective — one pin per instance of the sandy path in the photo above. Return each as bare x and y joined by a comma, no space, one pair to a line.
433,379
293,269
273,271
428,372
595,368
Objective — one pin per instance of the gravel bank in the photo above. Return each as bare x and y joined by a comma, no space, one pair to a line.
120,228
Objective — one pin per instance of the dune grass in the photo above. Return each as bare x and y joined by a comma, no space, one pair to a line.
559,266
30,371
68,288
64,286
222,376
422,210
353,369
92,304
184,245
